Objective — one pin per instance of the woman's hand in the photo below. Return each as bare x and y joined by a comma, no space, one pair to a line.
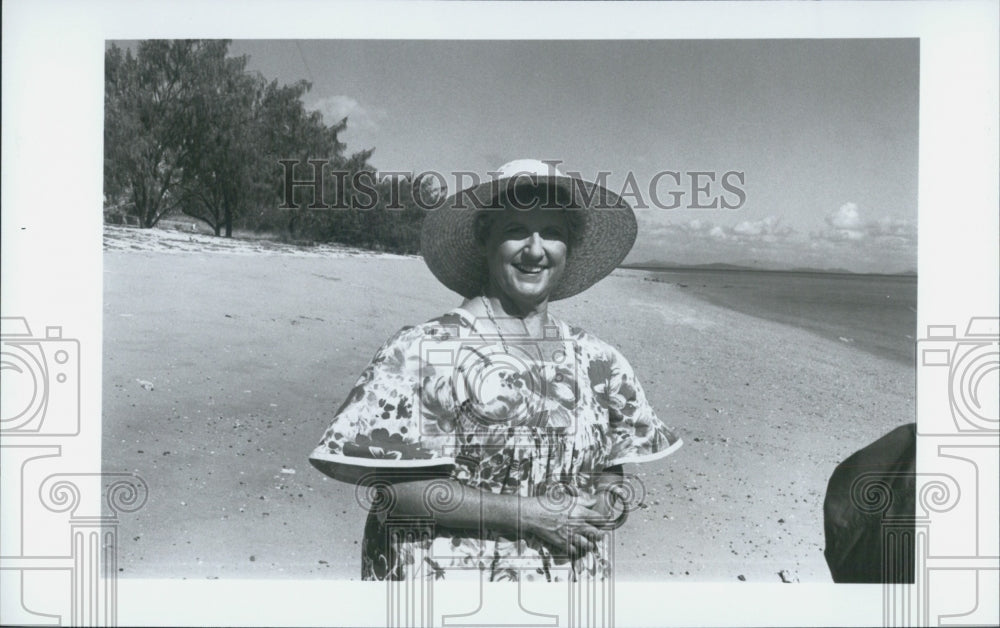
573,530
613,495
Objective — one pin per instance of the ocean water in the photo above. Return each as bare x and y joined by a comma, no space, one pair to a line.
875,313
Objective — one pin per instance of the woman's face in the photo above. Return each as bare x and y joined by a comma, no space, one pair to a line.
526,254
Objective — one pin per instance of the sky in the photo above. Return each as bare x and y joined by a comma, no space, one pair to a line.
820,135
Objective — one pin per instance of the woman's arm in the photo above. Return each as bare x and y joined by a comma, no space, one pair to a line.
454,505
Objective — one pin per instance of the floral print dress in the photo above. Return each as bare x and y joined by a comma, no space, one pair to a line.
539,419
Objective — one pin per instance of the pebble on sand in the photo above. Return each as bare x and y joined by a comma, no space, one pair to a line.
786,577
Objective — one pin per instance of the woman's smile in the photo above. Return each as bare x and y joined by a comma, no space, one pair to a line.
531,269
528,269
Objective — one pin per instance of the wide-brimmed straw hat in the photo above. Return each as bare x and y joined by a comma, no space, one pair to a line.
606,234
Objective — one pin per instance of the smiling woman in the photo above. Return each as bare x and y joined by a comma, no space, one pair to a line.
491,439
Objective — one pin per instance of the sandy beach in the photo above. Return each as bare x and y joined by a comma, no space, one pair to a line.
224,362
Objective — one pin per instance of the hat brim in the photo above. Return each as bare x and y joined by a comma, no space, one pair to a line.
607,232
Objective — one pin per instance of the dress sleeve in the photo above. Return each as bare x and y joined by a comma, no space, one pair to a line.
635,434
400,413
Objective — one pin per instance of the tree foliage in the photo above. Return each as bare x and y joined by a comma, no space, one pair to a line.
143,95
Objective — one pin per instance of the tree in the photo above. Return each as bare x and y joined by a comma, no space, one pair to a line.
139,163
189,128
238,128
220,120
142,97
289,132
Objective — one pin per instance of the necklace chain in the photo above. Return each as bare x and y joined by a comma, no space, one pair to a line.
489,313
496,324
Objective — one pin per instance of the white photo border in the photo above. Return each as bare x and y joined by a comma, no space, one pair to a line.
53,56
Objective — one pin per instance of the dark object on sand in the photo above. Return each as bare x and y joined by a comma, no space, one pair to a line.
869,510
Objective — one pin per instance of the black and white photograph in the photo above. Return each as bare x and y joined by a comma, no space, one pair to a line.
757,235
378,312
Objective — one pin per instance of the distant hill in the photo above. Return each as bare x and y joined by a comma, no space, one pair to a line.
657,265
833,271
720,266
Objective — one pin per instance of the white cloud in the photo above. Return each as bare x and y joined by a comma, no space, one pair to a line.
718,233
359,117
769,226
889,227
769,229
844,217
842,235
696,224
847,225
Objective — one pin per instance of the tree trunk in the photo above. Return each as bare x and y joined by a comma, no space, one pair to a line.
141,202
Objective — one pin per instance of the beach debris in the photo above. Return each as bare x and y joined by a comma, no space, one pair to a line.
741,578
253,558
786,576
847,340
287,471
148,385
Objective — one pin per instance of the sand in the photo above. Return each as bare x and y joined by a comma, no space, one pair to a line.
224,361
